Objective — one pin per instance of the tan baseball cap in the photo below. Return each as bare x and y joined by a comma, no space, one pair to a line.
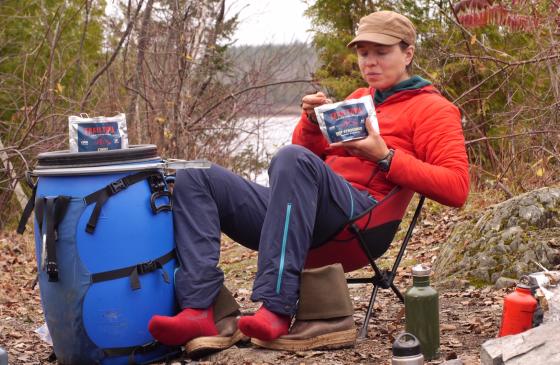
385,27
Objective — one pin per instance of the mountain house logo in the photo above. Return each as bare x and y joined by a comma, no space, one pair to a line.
98,136
346,120
348,111
105,129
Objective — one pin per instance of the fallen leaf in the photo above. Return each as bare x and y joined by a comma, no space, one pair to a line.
15,334
447,327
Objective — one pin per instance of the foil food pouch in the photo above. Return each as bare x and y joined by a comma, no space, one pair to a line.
98,133
345,120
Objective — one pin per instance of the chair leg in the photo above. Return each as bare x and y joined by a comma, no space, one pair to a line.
364,330
397,292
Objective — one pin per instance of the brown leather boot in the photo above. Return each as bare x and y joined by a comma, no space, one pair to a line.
226,315
324,319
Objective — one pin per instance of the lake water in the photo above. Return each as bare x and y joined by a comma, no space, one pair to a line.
270,133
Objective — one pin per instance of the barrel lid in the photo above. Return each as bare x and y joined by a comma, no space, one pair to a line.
421,270
406,344
67,159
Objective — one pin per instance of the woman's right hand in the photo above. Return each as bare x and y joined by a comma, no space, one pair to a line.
311,101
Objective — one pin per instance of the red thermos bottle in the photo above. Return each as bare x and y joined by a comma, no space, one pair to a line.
519,307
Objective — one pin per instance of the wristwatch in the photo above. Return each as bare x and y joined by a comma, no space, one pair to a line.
385,163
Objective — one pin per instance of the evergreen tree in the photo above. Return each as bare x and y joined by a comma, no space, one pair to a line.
48,49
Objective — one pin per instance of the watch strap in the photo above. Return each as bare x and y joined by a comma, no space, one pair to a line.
385,163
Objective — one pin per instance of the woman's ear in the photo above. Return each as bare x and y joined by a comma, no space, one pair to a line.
409,54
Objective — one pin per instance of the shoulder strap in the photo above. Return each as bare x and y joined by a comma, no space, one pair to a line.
27,211
51,210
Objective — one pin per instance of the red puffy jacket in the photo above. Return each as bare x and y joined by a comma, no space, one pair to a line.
425,131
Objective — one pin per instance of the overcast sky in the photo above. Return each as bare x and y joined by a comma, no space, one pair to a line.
269,21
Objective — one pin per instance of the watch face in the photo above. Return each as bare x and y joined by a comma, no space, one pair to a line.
383,165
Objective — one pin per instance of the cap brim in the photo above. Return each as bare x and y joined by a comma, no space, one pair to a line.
379,38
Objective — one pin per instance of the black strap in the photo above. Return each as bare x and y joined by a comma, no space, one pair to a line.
131,351
100,196
134,271
27,211
122,351
52,209
61,205
39,211
171,351
52,266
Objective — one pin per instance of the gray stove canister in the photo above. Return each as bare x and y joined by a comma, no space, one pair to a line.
406,350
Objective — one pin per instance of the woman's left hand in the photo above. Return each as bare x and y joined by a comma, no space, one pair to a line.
371,148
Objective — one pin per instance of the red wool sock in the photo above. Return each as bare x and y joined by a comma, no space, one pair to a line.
265,325
183,327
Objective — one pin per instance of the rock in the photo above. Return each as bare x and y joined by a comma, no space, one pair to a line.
529,256
510,232
536,346
491,352
453,362
504,240
531,213
504,282
514,245
552,314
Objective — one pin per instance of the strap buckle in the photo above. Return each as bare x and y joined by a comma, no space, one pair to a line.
148,266
52,271
117,186
157,187
148,347
156,182
162,207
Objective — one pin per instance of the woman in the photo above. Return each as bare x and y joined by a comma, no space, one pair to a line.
421,138
314,190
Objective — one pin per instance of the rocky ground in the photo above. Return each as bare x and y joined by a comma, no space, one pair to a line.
469,316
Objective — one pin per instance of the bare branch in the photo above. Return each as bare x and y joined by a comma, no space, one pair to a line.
236,94
113,56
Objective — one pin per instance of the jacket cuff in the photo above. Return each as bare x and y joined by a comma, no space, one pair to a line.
308,125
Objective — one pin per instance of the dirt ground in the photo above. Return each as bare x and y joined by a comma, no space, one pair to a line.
468,315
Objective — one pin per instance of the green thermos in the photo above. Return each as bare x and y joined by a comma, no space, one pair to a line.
421,304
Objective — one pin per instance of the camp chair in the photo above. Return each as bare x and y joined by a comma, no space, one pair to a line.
365,239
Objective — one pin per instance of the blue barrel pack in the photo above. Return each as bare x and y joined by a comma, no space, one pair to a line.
105,253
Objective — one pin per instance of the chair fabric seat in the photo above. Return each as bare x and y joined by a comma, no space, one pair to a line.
378,226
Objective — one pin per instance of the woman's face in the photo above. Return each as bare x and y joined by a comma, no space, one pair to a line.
383,66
